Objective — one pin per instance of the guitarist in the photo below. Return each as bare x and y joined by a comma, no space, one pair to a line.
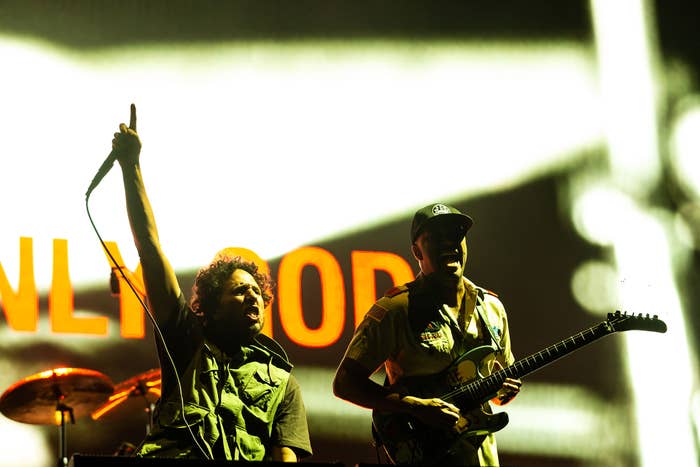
421,328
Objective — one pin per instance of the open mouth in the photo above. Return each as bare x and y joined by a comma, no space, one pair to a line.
252,313
450,259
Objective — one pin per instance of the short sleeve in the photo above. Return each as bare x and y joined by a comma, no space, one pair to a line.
290,428
375,339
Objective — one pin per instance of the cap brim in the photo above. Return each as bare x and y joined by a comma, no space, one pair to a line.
461,219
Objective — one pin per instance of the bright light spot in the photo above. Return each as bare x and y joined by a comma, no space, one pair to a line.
685,148
594,286
598,213
644,266
23,445
626,64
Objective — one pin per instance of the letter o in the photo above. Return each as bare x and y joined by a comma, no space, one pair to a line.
289,297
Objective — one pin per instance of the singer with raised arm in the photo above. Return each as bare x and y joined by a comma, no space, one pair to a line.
227,390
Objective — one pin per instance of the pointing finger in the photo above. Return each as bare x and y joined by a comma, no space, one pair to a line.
132,119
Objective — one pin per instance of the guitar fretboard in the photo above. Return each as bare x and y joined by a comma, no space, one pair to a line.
481,390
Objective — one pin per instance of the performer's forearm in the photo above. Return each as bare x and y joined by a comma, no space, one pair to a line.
139,211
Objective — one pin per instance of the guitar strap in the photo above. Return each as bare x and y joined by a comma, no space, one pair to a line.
480,308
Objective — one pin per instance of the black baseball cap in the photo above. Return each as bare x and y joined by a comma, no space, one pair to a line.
427,214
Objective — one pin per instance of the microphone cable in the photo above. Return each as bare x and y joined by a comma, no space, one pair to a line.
156,328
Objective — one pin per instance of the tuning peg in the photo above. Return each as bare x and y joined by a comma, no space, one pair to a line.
656,317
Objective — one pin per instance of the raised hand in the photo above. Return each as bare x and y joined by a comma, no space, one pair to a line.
126,143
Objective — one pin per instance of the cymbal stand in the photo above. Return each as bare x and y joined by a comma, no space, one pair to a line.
142,390
62,444
149,411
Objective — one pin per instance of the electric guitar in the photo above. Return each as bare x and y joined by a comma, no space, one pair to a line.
407,441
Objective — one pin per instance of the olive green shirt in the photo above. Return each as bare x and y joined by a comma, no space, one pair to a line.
237,407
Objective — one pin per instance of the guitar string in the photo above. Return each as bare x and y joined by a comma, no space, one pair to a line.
478,389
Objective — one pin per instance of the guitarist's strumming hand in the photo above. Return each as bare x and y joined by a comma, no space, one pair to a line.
510,388
434,412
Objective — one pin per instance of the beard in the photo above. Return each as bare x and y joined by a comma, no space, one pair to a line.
238,330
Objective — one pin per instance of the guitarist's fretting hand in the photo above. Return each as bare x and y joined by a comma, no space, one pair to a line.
510,388
434,412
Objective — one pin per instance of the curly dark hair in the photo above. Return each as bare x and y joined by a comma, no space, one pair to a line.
208,284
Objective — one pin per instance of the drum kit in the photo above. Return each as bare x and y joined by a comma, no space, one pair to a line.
61,395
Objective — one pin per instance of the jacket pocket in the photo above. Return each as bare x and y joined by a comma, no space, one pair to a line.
250,447
259,389
171,415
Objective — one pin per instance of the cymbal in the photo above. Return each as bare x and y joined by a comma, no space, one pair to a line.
143,384
35,398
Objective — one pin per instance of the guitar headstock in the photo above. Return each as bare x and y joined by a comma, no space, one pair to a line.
619,321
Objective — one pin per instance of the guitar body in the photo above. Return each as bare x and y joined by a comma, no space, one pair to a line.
408,441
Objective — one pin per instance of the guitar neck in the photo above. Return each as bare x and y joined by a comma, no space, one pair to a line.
484,389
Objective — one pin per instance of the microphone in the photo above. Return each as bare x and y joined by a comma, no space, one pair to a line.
109,162
103,170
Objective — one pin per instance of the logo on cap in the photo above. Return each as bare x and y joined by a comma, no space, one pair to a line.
440,209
